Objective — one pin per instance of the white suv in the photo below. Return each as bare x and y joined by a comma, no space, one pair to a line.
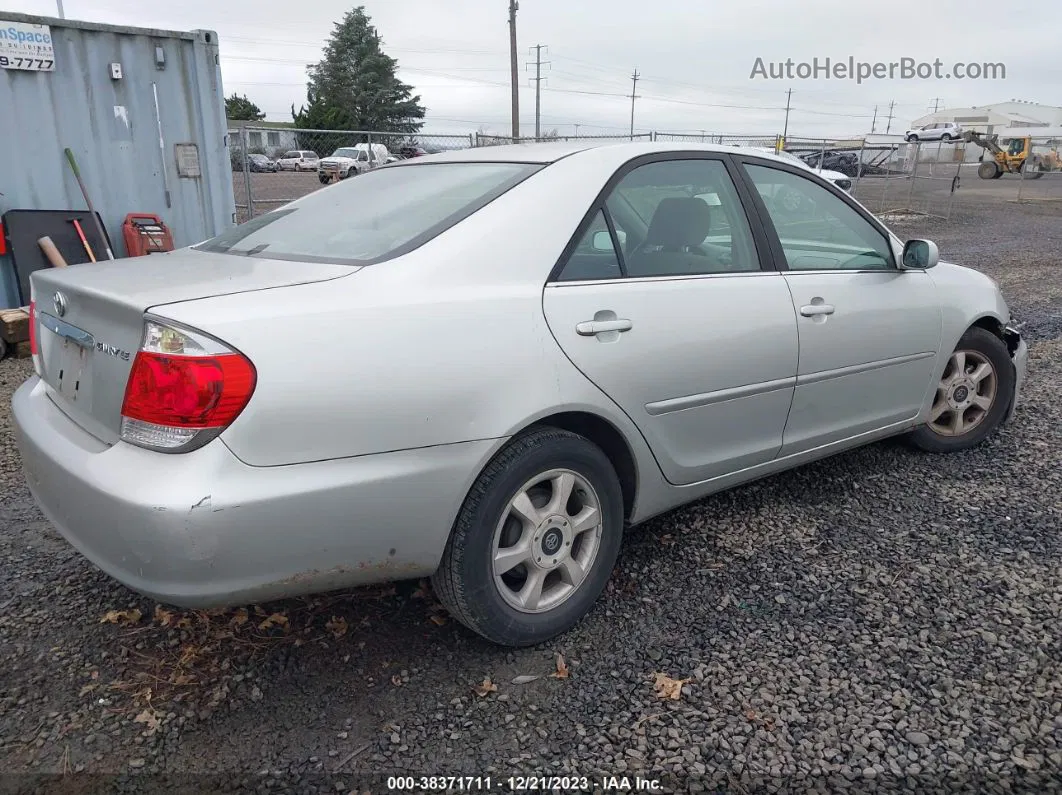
939,131
298,160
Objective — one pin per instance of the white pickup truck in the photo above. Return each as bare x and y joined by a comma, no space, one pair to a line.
348,161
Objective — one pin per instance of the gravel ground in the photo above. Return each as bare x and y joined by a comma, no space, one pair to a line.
882,621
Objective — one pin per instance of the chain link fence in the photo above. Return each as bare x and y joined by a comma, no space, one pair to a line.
912,184
273,166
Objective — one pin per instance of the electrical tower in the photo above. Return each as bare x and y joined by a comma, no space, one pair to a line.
538,78
634,96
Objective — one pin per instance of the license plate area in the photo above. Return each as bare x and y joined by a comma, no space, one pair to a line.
67,360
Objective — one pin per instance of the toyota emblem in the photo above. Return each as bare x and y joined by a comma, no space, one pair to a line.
60,303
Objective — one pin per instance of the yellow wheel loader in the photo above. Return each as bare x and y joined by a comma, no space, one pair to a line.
1017,157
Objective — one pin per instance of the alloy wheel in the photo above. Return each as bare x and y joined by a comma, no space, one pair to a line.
965,394
546,541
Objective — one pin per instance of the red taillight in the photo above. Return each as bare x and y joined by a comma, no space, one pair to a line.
33,327
188,391
184,389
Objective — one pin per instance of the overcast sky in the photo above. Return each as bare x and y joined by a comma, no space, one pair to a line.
695,57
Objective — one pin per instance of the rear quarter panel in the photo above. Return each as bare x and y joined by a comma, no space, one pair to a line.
446,344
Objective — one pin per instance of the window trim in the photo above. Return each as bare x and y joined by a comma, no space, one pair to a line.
761,242
775,241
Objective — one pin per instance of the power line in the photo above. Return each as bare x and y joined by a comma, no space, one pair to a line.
538,89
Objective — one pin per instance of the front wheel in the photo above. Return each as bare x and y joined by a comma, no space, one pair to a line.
972,397
535,541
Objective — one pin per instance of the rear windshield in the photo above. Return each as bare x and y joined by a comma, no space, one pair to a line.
382,214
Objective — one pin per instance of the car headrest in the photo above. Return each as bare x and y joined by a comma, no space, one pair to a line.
679,222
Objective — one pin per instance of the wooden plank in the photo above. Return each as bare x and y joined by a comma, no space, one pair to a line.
14,325
22,350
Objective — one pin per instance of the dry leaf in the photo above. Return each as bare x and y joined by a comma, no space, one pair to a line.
562,668
523,679
240,617
87,689
125,617
438,620
149,719
275,620
184,622
750,714
184,679
258,611
164,618
337,625
396,680
666,687
423,590
485,688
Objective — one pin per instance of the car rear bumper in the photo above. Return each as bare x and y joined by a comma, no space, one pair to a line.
203,529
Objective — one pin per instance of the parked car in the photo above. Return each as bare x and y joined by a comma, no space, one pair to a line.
261,163
938,131
298,160
350,161
501,381
847,163
842,181
412,151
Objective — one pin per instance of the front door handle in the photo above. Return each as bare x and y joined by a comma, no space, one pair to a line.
589,328
813,310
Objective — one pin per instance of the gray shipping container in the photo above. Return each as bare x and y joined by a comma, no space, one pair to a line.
111,125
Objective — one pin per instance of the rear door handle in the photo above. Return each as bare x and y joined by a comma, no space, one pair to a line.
589,328
811,310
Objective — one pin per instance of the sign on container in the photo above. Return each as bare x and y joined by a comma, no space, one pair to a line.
27,47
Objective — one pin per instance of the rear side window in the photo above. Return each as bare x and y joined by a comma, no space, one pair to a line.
384,213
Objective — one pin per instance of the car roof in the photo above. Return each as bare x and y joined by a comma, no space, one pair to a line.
552,152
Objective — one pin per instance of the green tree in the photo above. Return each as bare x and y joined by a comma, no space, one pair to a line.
355,87
242,109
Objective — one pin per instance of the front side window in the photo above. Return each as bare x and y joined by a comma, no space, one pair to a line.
817,229
676,218
382,214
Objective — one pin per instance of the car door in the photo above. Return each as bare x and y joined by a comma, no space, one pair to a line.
868,331
666,300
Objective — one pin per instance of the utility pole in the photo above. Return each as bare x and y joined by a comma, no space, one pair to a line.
936,104
874,122
513,6
634,96
538,89
576,130
785,129
59,7
889,125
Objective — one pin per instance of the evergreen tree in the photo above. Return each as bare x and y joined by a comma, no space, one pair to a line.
355,87
242,109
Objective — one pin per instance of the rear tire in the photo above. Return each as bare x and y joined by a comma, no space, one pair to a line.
973,396
989,169
517,503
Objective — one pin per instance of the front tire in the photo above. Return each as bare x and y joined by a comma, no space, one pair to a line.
973,396
535,541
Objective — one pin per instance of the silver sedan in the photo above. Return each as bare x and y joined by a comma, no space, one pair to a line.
483,366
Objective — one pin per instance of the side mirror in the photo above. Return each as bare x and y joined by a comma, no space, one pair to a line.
602,241
920,254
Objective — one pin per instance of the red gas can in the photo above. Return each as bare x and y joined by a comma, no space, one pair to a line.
145,234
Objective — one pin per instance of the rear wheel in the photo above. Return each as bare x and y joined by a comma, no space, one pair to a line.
912,139
536,539
989,169
972,397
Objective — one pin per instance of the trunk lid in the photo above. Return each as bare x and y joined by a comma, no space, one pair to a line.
91,318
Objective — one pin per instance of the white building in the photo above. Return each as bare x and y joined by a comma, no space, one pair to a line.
269,138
